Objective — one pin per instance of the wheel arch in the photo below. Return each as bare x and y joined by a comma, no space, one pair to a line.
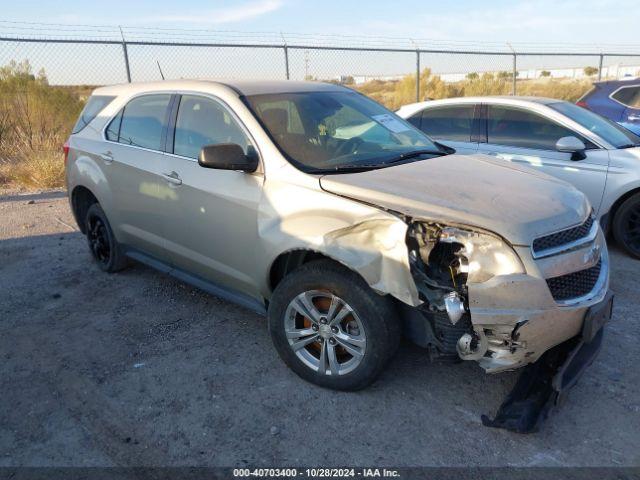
81,199
616,205
290,260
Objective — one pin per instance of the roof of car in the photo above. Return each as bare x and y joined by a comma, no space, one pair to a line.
242,87
503,99
625,81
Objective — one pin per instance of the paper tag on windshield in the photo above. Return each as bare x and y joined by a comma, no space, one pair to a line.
390,123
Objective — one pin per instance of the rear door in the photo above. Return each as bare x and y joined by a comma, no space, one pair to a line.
521,136
451,125
210,215
133,159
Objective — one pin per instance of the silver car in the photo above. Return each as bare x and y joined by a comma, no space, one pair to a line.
559,138
346,226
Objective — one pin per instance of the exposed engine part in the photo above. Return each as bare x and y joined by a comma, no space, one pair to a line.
447,334
454,306
440,271
438,266
472,346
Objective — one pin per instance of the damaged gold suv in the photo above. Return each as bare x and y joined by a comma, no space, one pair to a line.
348,227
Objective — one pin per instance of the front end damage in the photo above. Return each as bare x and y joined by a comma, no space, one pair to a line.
487,301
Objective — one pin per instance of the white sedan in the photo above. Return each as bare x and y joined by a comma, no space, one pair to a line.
562,139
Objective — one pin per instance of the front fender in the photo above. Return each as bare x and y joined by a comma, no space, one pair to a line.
365,239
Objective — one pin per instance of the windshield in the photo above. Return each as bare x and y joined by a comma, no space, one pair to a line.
330,131
613,133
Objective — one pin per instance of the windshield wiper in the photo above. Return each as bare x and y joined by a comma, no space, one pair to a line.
629,145
373,166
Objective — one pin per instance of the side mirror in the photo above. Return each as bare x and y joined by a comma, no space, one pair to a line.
227,156
572,145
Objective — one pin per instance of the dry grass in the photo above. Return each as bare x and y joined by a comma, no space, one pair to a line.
33,166
35,120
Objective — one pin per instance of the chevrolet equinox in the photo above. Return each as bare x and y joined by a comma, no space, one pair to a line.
348,227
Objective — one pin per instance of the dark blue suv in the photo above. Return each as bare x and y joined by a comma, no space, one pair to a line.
618,100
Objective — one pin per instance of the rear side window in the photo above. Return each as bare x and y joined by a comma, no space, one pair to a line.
202,121
94,106
448,123
629,96
519,128
141,122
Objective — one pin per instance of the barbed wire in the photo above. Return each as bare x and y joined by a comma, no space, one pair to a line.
50,31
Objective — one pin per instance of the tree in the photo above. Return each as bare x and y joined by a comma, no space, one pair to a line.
590,71
545,73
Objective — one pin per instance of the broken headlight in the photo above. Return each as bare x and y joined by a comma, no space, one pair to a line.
481,255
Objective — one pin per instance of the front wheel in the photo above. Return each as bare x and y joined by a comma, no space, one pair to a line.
330,327
626,225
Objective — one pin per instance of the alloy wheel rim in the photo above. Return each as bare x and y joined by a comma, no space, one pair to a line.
632,230
325,332
99,240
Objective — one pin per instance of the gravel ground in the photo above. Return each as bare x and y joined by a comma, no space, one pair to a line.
136,368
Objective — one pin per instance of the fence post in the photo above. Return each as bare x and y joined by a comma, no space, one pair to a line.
286,59
126,56
417,75
600,67
515,73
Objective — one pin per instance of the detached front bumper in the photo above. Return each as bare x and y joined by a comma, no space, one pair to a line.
545,383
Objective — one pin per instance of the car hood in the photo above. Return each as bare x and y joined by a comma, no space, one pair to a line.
515,202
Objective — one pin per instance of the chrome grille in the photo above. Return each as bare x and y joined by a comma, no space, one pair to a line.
574,285
564,237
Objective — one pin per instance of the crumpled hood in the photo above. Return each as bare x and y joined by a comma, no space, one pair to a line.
515,202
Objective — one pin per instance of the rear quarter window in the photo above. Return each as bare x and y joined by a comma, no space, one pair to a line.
94,106
629,96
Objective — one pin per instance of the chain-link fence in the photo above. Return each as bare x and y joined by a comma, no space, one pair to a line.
103,62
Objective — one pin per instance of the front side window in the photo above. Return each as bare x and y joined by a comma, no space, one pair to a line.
142,122
202,121
520,128
610,131
629,96
329,131
448,123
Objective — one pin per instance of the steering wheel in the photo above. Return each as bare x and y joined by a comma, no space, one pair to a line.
350,146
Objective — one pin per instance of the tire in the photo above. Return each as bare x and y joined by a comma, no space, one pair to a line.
356,342
626,225
105,249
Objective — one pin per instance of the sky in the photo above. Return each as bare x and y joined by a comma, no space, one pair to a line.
594,22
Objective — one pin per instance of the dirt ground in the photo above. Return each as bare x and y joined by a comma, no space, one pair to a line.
136,369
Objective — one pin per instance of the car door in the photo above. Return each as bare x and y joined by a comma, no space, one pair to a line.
629,97
518,135
133,158
452,125
211,215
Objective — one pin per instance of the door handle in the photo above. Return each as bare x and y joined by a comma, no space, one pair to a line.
173,178
633,117
107,157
